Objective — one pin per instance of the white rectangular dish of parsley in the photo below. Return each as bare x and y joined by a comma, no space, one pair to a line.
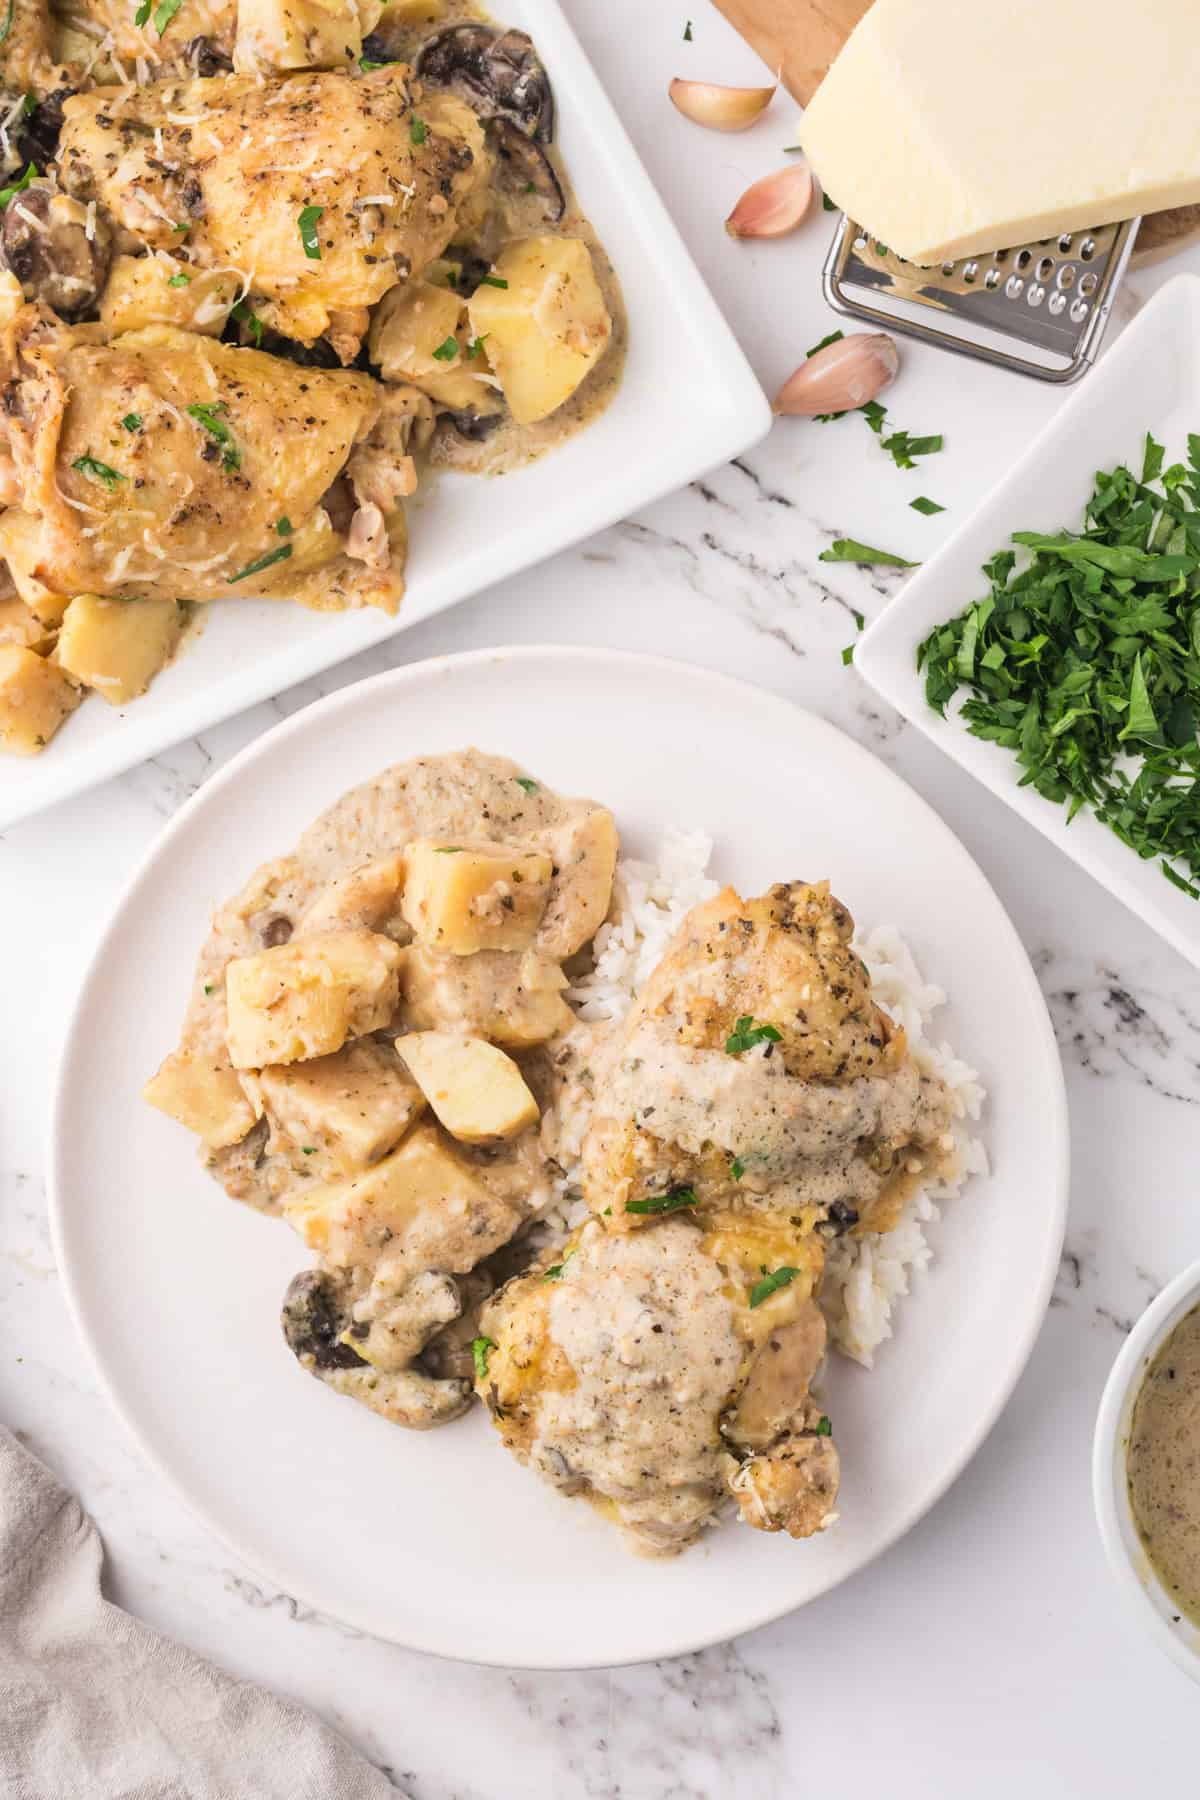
1033,697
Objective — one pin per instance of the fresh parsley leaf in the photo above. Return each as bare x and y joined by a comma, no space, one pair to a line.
851,551
306,223
771,1284
308,1150
481,1349
132,421
737,1168
366,64
493,281
923,504
835,337
531,787
164,13
264,562
250,320
746,1034
209,418
687,32
180,280
418,131
284,526
674,1201
99,471
824,1426
448,850
828,205
447,350
475,344
555,1273
207,988
18,187
793,149
847,656
140,17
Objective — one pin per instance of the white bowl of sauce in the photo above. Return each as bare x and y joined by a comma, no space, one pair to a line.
1146,1469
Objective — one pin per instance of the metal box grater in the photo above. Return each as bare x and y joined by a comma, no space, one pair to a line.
1038,308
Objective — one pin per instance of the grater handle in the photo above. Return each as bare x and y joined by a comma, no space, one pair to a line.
799,38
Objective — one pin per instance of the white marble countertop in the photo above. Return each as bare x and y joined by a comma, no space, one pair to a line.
989,1645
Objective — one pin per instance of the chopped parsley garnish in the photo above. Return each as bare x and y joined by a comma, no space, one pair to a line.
264,562
475,344
493,281
180,280
664,1203
367,63
923,504
530,187
555,1272
307,226
142,15
847,656
132,421
902,448
284,526
687,32
99,471
418,131
824,1426
183,229
481,1349
771,1283
737,1168
851,551
447,350
18,187
746,1034
308,1150
164,13
209,417
523,781
835,337
249,319
828,205
1085,663
793,149
207,988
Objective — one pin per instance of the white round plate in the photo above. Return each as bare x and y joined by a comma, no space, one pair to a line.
439,1540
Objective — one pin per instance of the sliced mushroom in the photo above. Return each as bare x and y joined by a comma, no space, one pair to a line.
497,71
313,1323
473,426
206,57
522,167
35,138
58,249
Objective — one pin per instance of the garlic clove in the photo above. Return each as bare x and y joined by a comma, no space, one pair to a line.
840,377
720,108
773,206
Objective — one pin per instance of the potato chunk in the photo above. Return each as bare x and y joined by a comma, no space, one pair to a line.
20,542
305,998
347,1110
207,1097
512,998
367,897
473,896
420,335
18,625
118,646
156,290
547,328
423,1207
35,697
301,34
585,858
477,1092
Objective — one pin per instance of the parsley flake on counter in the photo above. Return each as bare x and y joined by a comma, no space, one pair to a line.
18,187
132,421
418,131
284,526
847,656
851,551
306,224
481,1349
687,32
264,562
793,149
99,471
493,281
180,281
673,1201
771,1283
1085,662
746,1034
828,205
447,350
824,1426
923,504
164,13
209,418
523,781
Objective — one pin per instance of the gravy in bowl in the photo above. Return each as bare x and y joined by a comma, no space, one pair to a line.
1163,1464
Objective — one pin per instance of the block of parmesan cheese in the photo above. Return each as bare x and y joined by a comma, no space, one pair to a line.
948,127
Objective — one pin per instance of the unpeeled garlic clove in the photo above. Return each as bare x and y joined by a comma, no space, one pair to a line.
773,206
840,377
720,108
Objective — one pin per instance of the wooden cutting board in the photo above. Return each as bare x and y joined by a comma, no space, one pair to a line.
800,38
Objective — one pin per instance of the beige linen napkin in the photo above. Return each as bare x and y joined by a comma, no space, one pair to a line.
95,1706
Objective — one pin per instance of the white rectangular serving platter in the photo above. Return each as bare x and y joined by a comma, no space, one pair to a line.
1149,381
688,402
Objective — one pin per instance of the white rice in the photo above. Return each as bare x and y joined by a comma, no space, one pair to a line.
865,1276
